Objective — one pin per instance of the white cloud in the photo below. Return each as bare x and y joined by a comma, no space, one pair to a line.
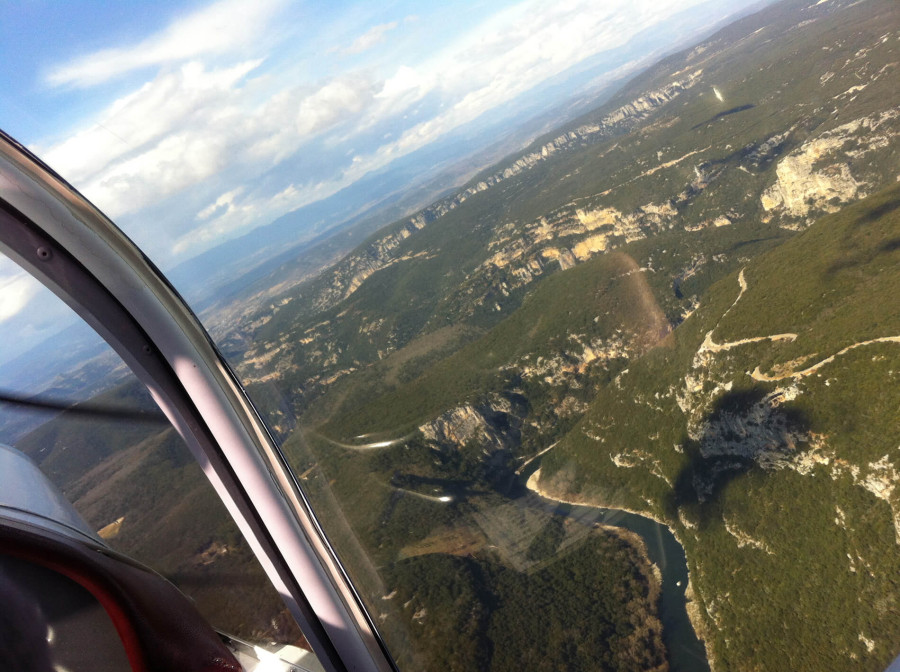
225,202
234,211
134,122
16,289
29,312
209,128
189,126
219,28
406,79
291,118
164,137
405,88
329,104
372,37
504,57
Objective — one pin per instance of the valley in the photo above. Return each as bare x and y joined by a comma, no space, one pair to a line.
663,307
682,305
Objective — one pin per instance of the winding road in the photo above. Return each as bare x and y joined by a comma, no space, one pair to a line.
709,345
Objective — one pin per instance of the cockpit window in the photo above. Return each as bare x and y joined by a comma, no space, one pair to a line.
86,449
577,324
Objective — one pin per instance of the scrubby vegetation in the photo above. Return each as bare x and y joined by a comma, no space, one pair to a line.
171,519
685,306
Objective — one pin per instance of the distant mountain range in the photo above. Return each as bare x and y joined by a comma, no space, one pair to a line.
304,241
412,182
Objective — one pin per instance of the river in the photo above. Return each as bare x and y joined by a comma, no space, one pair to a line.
686,652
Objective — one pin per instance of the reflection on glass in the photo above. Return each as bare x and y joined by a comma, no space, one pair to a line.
626,399
93,430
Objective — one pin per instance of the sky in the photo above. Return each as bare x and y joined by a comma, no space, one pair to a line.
192,122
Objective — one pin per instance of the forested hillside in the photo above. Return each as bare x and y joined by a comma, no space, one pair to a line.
683,304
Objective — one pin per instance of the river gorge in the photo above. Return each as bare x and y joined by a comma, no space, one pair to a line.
686,652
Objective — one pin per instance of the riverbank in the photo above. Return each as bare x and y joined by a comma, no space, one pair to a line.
691,607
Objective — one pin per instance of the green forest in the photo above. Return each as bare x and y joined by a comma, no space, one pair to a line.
687,309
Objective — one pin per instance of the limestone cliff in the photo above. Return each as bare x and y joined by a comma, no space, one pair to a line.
817,177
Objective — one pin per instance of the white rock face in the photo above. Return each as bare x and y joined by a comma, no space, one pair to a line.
744,540
817,176
881,481
571,235
762,433
349,275
457,426
467,424
800,188
563,368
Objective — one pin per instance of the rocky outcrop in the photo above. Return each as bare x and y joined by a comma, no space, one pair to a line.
565,368
459,426
616,121
800,188
567,236
880,478
761,431
355,269
762,155
817,176
492,426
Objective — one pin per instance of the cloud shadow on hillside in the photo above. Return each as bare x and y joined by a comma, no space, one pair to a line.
733,110
876,213
744,431
857,254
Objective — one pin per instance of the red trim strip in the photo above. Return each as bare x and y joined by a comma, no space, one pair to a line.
104,596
